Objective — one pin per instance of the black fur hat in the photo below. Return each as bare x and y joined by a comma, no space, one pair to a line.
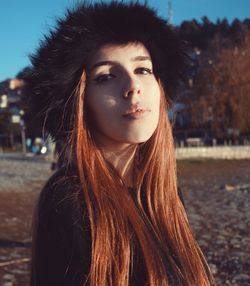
61,58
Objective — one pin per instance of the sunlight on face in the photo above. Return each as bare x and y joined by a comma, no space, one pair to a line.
122,94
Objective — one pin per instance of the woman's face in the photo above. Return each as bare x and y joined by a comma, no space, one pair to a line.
122,94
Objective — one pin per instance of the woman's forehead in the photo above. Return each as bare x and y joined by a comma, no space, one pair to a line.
119,52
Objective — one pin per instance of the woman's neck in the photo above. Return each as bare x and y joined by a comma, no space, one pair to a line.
122,159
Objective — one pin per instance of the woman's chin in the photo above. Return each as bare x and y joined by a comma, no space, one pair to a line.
137,137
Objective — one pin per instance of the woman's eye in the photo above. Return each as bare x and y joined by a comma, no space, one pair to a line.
103,78
143,71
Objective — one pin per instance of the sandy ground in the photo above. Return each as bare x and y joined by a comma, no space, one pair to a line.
216,194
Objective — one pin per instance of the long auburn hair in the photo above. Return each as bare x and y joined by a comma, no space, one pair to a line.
156,219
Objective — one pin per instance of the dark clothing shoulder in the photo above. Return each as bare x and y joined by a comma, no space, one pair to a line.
63,246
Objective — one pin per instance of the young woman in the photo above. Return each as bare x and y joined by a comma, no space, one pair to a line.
112,215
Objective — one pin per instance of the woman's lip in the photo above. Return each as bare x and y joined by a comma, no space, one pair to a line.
137,114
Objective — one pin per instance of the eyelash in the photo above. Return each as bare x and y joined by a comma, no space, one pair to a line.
103,78
106,77
148,70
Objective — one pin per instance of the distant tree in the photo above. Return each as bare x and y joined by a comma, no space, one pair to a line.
235,32
191,31
208,28
246,24
223,28
222,91
4,86
203,34
236,27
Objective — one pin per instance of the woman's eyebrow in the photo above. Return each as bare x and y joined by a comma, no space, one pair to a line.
141,58
102,63
110,63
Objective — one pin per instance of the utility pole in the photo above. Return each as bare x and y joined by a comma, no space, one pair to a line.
22,126
170,12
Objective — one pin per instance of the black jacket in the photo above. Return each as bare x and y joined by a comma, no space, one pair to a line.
63,239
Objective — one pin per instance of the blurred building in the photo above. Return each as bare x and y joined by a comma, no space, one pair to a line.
11,112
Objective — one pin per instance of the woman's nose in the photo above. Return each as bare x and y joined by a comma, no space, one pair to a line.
132,88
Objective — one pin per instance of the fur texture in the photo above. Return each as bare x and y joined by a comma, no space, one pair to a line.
61,57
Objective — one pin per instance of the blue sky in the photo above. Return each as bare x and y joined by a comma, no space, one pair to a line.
23,23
